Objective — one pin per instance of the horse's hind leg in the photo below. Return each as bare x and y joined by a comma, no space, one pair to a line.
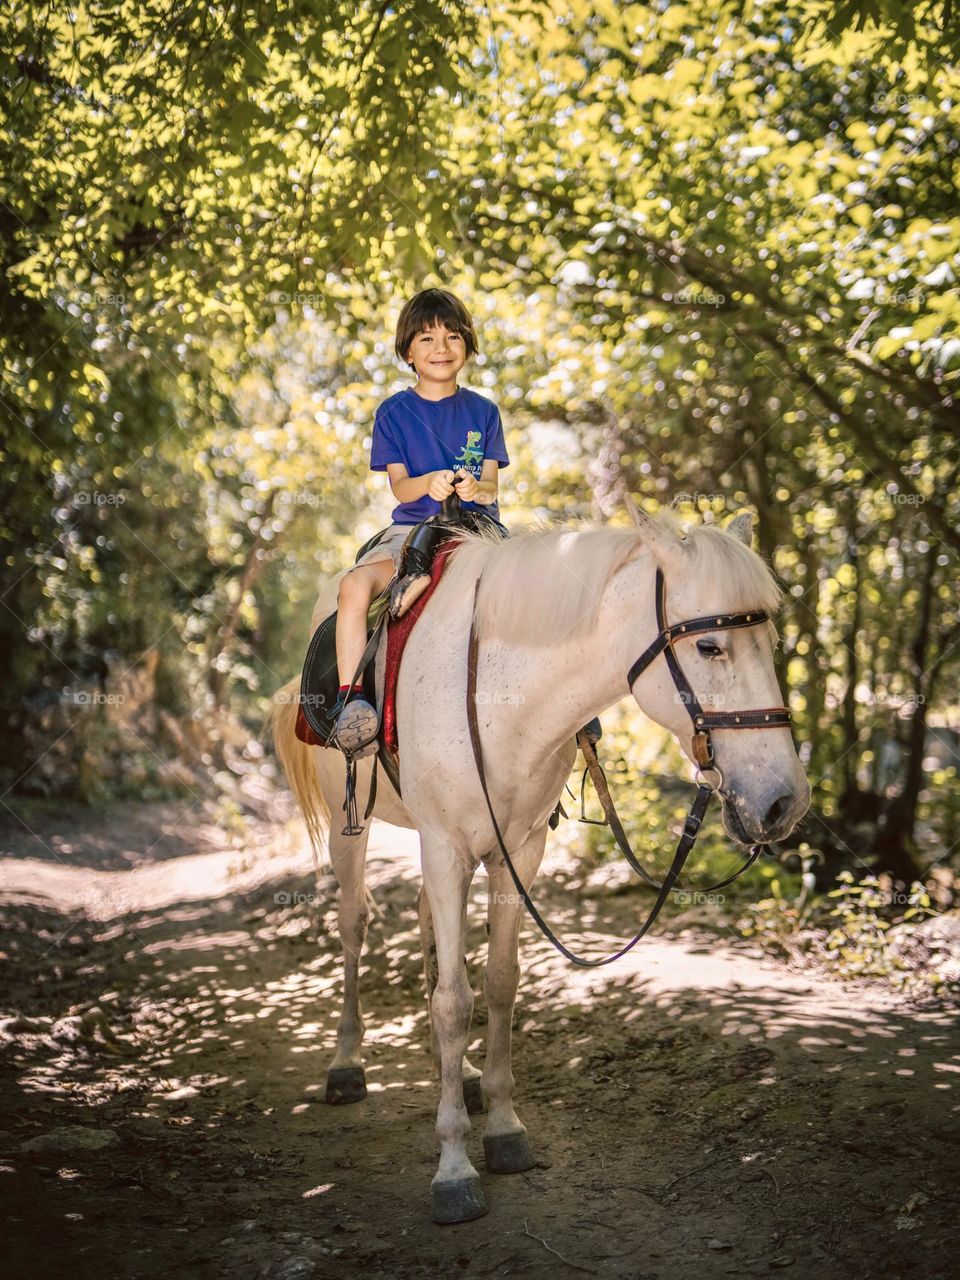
345,1079
505,1145
472,1093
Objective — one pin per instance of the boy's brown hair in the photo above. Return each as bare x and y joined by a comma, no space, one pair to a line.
428,308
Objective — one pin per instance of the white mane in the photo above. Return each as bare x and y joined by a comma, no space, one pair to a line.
548,581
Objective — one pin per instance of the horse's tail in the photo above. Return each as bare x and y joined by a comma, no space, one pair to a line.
298,764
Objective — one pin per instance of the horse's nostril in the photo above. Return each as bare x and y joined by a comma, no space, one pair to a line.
779,809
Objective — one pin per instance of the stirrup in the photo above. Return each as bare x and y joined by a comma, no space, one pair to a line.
353,827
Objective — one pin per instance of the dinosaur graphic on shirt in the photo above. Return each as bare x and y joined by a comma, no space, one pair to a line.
470,454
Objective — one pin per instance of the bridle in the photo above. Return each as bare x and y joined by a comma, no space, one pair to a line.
703,721
702,750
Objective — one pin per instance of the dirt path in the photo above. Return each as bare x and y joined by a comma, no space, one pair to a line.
698,1111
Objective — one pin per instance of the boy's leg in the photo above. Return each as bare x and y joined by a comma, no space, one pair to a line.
357,589
356,721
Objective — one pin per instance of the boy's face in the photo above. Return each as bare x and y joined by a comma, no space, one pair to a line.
438,354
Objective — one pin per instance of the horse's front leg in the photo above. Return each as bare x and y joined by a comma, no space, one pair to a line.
472,1093
505,1145
346,1081
456,1192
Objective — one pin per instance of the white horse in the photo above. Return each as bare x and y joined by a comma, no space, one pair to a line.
561,617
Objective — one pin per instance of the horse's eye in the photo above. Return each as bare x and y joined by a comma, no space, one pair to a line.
709,649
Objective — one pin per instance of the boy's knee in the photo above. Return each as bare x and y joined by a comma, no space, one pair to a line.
354,589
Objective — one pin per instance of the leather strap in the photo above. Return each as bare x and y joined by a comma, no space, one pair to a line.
353,827
759,718
613,821
703,721
373,790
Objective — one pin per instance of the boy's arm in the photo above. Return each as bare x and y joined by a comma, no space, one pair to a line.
488,486
407,488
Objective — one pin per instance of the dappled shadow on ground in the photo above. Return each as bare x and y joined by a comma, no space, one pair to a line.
114,836
697,1112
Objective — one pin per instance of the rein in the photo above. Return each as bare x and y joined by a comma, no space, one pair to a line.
702,750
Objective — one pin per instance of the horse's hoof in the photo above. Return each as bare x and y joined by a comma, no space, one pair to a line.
460,1201
473,1098
508,1153
345,1084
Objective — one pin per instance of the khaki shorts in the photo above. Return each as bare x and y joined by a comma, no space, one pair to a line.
389,546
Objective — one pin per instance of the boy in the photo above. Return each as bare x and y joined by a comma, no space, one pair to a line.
429,438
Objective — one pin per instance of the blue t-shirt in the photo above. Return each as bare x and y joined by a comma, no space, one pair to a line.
459,431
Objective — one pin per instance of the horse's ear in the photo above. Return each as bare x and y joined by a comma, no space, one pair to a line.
666,546
742,527
632,511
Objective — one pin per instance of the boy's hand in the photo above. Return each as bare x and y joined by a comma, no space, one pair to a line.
441,485
466,486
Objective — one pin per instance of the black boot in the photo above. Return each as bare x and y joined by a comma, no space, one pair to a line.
416,564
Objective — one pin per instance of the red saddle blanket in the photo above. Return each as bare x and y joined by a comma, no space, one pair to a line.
397,635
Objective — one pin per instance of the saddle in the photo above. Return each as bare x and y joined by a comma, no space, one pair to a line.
319,685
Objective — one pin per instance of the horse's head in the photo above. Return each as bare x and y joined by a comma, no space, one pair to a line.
713,573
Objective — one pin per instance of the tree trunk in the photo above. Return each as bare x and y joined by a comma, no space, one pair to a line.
252,566
850,757
896,838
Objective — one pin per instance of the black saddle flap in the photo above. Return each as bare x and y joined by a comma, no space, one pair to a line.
320,682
